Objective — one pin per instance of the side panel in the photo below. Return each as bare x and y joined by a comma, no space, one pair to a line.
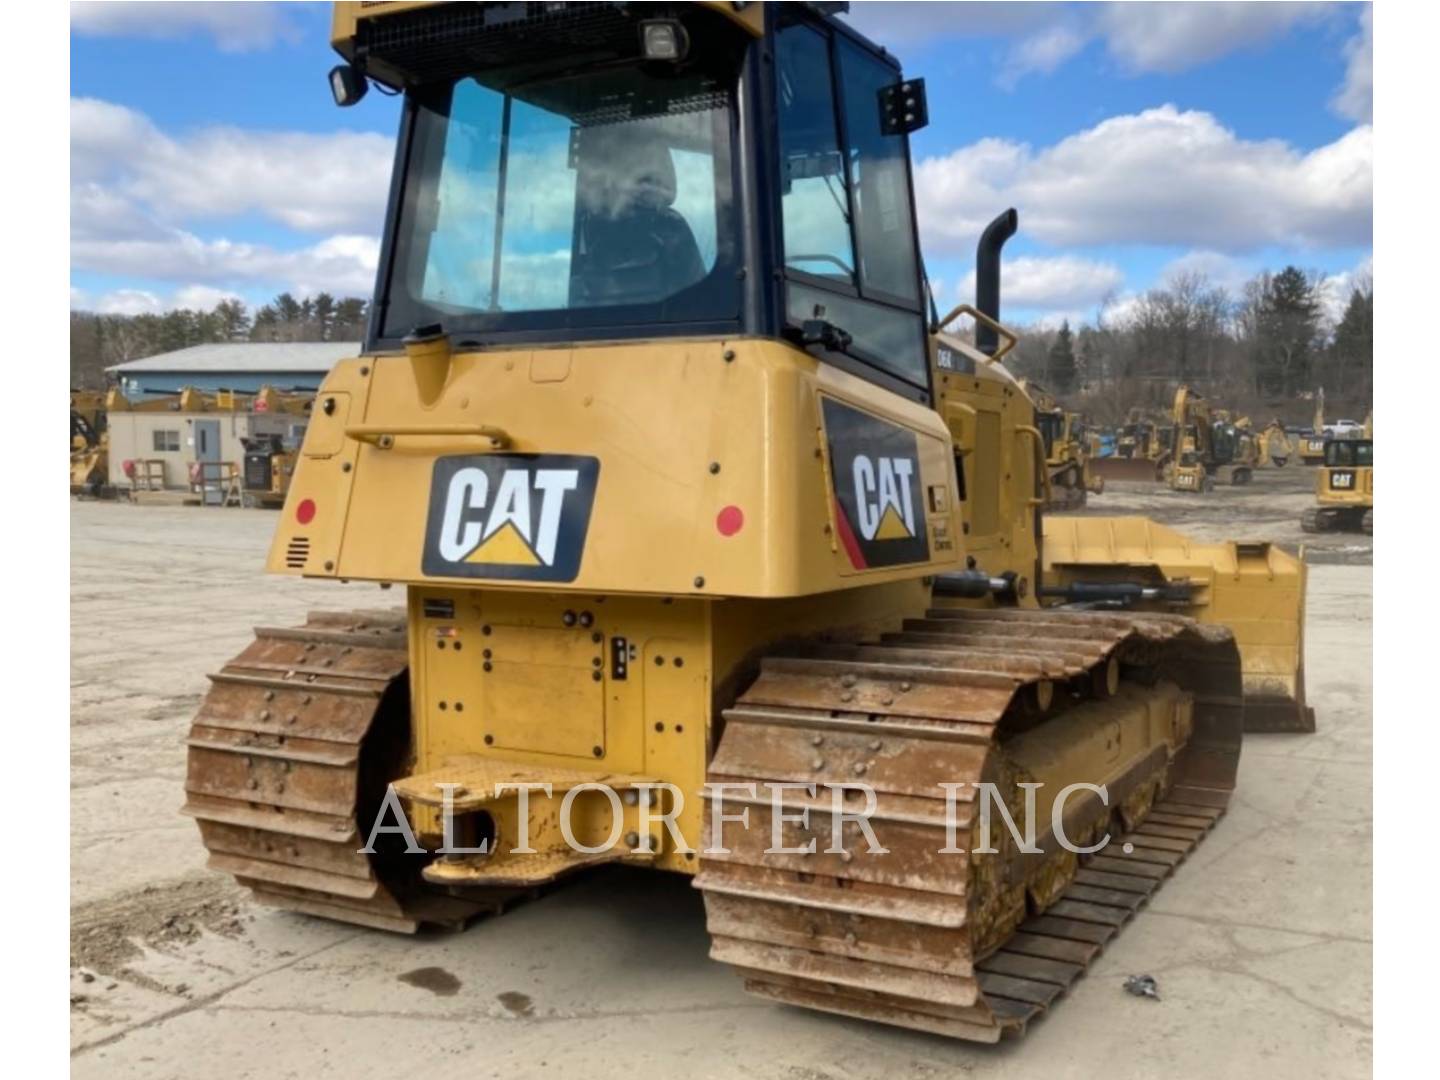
704,464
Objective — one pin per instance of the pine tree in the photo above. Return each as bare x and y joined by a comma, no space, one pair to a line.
1353,351
1060,361
1287,325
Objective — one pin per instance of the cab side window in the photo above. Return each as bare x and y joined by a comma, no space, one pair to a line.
814,196
848,223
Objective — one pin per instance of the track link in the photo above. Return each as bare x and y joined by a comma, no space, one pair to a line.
962,945
291,752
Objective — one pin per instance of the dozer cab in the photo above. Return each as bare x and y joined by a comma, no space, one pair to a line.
656,430
1344,488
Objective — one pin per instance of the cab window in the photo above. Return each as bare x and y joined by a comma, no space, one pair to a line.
847,218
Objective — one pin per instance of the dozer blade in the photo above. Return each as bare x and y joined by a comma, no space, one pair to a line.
1253,588
976,943
1118,468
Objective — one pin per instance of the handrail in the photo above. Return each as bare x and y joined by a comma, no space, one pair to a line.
1011,338
383,436
1041,463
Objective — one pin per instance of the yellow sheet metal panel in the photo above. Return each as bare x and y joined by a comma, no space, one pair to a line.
699,467
556,686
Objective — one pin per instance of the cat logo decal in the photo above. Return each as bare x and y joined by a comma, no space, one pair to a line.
876,471
509,516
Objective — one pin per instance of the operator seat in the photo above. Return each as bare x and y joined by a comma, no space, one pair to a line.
631,246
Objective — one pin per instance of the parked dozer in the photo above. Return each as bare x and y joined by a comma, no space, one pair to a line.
1142,451
1068,461
89,443
1344,488
658,432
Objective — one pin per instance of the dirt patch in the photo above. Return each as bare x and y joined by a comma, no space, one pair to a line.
518,1003
106,935
435,979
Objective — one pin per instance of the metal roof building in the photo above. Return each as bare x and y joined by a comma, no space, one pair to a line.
244,366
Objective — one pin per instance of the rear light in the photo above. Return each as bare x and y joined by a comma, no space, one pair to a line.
305,512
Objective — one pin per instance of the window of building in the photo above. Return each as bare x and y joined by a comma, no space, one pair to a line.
165,442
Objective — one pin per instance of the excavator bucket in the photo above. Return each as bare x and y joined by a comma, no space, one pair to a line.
1253,588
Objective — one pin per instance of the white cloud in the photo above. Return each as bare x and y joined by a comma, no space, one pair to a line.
1041,52
1335,289
129,302
146,302
912,23
1161,177
344,265
235,27
1227,272
1171,37
1142,38
1061,283
334,182
1356,97
137,193
201,297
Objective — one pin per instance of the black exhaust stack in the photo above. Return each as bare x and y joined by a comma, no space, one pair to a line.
987,276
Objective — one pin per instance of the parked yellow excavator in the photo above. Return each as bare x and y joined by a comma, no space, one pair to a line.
709,530
1207,446
1345,487
1312,443
1272,443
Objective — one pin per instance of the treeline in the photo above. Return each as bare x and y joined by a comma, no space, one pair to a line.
100,341
1265,351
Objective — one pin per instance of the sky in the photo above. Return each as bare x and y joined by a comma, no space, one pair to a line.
1137,140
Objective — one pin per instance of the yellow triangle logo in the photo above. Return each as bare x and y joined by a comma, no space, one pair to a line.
506,546
891,526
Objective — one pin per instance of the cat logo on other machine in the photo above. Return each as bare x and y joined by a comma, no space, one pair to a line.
509,516
875,467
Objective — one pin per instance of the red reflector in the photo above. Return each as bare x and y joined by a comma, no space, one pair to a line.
305,512
729,521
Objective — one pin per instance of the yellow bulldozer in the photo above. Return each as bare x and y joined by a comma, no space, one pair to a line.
1142,451
1344,487
720,547
89,443
1068,458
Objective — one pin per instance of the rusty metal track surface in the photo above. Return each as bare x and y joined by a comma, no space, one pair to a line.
913,938
291,750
